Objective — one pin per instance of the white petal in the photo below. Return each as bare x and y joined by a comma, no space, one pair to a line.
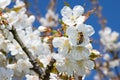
31,19
70,31
114,36
72,35
107,30
66,11
79,53
68,67
80,69
58,42
90,30
89,64
4,3
68,21
81,28
80,20
78,10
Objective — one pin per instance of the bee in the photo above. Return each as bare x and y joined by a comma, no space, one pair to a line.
80,38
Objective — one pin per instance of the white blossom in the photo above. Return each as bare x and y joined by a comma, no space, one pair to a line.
73,16
81,34
109,39
106,57
72,51
20,4
42,28
15,48
20,20
71,59
50,20
2,38
54,77
4,3
31,77
114,63
84,65
62,43
45,59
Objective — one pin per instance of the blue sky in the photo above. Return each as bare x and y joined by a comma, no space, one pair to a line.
111,11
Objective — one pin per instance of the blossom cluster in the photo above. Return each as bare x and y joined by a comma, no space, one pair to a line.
111,49
71,48
109,39
75,47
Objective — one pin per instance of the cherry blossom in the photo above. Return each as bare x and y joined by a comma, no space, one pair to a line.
4,3
73,16
109,39
50,20
81,34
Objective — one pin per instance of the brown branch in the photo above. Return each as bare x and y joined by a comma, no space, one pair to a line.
33,60
98,12
48,69
52,5
89,13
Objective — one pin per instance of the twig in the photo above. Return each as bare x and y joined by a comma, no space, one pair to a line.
98,12
52,5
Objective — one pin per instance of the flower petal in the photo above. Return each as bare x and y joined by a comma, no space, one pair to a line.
66,11
72,37
80,20
78,10
67,21
79,53
89,64
90,30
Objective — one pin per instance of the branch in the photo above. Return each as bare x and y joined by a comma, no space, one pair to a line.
33,60
98,12
52,5
48,69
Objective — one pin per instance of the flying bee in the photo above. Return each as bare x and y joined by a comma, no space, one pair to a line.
80,38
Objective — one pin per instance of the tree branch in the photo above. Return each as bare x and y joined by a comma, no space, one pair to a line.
48,69
33,60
